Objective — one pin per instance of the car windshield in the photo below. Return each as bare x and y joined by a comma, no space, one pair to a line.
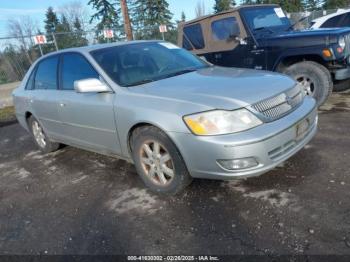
271,18
140,63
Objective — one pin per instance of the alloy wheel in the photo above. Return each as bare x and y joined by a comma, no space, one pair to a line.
157,163
307,84
38,134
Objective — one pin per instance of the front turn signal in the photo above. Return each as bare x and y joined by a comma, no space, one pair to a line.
327,53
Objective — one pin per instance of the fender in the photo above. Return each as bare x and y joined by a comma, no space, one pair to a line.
306,53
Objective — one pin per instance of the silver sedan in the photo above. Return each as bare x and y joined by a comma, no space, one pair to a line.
173,115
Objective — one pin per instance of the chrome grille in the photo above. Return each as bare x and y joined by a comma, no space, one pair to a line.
280,105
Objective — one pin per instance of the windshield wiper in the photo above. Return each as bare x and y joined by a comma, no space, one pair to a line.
147,80
263,28
143,81
297,22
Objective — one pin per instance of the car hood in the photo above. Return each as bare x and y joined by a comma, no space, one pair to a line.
307,37
219,87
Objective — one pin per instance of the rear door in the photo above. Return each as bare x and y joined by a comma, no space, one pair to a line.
88,118
43,95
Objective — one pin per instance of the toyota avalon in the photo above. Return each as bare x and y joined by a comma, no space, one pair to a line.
173,115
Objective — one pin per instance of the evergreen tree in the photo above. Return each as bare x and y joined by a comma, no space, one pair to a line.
292,6
79,38
148,15
311,5
64,34
77,24
223,5
51,23
334,4
51,20
107,15
183,16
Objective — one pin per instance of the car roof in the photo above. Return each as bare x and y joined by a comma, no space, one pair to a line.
326,17
228,11
89,48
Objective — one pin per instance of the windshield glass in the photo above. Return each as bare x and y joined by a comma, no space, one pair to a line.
265,18
139,63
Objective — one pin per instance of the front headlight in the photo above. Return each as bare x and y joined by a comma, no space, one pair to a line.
221,122
341,42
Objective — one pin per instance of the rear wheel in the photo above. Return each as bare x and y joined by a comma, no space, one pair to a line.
40,138
158,162
314,78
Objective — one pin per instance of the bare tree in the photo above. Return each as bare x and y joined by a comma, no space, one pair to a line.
23,28
200,8
75,10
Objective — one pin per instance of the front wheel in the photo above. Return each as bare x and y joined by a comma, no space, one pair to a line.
314,78
158,162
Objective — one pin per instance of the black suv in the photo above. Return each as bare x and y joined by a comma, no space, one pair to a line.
262,37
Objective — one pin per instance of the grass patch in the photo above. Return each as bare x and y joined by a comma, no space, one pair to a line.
7,114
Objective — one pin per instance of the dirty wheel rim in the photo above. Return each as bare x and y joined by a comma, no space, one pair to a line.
38,134
157,163
307,84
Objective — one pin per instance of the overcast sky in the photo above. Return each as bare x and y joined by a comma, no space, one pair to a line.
36,9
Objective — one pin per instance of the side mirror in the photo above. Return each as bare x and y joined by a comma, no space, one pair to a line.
90,85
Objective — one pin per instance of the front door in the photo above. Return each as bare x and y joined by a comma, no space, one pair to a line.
88,118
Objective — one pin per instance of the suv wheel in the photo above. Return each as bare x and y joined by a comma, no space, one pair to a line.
315,79
158,162
40,138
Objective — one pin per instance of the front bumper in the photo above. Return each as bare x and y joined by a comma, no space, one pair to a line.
270,144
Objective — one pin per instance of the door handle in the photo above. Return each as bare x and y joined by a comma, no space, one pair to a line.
62,104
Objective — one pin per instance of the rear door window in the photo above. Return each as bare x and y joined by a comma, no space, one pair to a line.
224,29
194,34
75,67
46,74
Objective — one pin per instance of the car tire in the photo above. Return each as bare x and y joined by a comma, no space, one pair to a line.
314,77
341,85
40,138
158,161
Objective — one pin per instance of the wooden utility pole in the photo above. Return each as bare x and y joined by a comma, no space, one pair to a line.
127,24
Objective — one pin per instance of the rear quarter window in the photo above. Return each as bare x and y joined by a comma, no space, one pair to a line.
46,74
30,81
194,34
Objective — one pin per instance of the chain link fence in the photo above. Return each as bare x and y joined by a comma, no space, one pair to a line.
18,53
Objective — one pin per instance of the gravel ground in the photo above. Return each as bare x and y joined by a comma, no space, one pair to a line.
76,202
